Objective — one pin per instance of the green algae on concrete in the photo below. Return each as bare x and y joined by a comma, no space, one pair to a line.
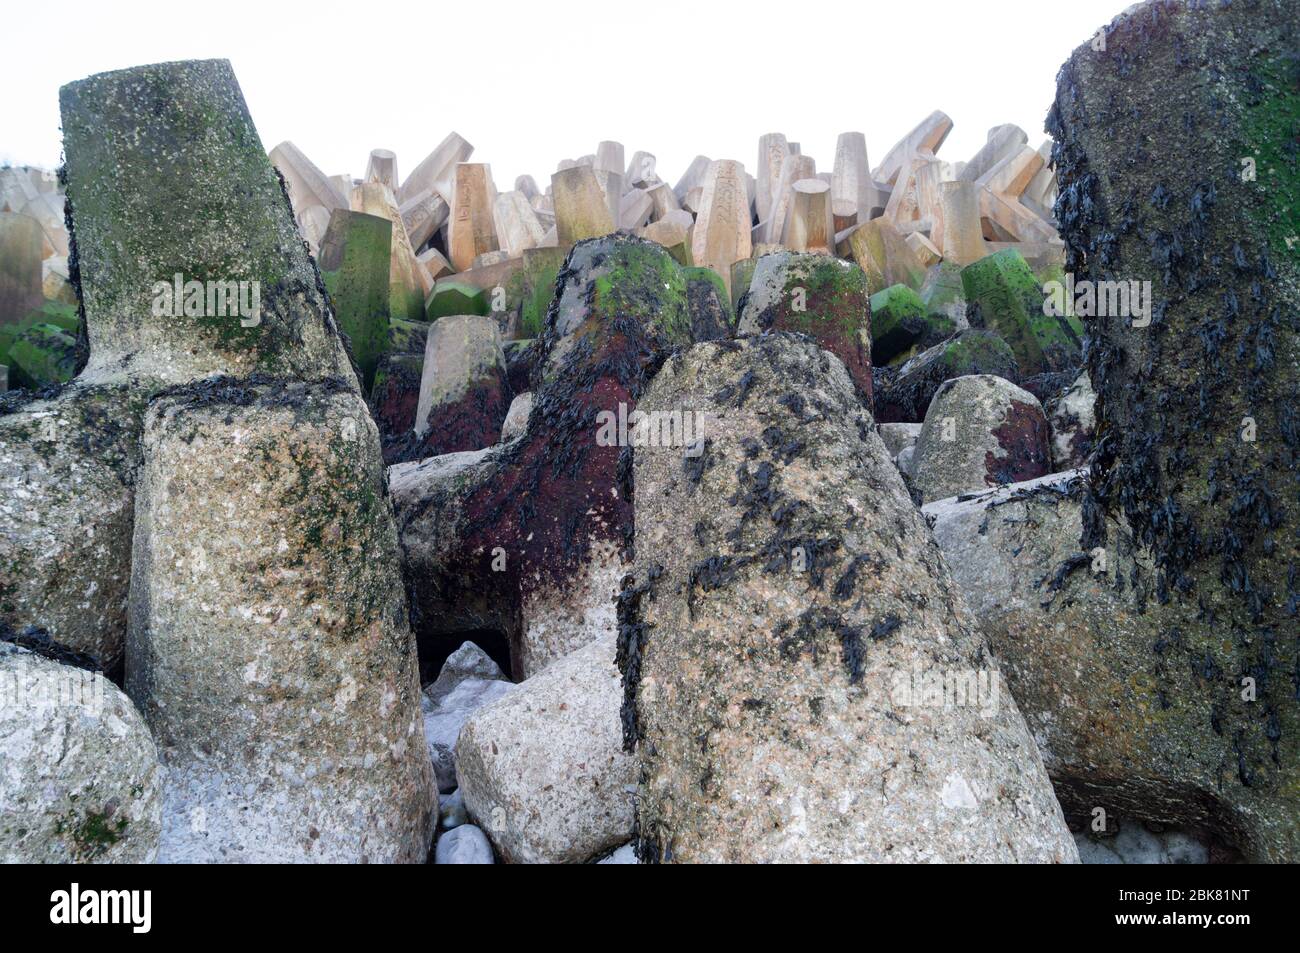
905,392
359,288
453,296
901,323
884,256
1198,446
628,276
166,176
530,289
41,355
1005,296
823,297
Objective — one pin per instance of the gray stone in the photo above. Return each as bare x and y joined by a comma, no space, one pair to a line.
444,719
543,770
451,811
1135,844
465,844
905,460
516,421
468,661
1093,851
827,743
1181,848
66,515
898,437
1072,419
79,776
268,646
1086,667
979,431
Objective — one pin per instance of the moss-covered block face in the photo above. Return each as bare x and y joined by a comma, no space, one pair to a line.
900,322
452,296
41,355
817,295
1006,296
742,273
637,272
360,291
58,313
166,175
711,312
406,337
1270,124
1212,515
41,349
606,281
906,396
530,290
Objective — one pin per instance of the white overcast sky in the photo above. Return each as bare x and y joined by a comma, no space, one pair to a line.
530,83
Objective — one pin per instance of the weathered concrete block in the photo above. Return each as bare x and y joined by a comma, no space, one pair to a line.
136,156
308,186
903,394
423,214
885,257
543,771
621,307
721,234
581,211
21,279
816,295
901,324
79,780
269,646
1177,399
472,232
355,266
381,167
1003,295
979,431
816,748
437,171
517,226
464,392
